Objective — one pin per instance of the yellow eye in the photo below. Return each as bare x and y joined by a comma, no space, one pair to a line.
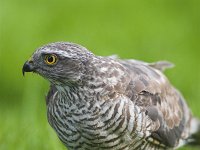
50,59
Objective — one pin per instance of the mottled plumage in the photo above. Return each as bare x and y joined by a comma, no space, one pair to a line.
99,102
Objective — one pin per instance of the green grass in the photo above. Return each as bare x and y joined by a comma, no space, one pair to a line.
147,30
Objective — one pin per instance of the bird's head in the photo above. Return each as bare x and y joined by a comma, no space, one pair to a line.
59,62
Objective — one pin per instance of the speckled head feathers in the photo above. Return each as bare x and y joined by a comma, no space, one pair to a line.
70,60
66,49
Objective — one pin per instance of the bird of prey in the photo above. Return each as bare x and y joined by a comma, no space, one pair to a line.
99,103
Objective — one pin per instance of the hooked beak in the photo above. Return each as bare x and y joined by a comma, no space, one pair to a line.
28,67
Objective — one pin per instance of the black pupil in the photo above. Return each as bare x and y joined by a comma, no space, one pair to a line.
50,59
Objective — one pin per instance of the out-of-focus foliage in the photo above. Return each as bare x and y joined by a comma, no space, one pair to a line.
147,30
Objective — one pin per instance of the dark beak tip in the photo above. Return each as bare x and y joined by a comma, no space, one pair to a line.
27,67
23,72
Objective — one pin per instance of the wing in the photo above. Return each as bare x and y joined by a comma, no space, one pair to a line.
151,90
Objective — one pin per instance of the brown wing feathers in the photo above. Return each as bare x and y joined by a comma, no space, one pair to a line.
161,101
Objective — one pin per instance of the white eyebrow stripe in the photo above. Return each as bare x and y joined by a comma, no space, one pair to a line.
55,51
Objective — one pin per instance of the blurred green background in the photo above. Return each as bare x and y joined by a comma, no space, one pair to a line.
146,30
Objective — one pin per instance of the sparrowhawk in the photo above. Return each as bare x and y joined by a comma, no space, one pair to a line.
97,102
